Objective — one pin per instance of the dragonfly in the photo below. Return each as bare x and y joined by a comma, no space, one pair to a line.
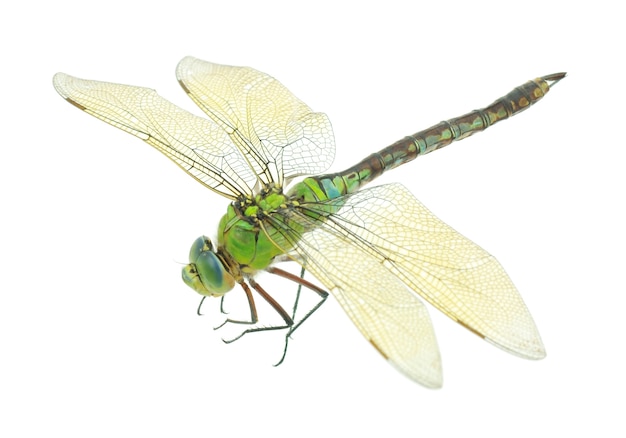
378,250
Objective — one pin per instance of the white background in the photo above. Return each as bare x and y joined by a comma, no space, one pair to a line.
99,336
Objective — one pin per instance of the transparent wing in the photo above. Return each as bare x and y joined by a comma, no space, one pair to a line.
455,275
278,134
384,240
198,146
390,317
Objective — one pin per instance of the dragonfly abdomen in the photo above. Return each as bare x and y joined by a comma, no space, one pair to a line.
330,186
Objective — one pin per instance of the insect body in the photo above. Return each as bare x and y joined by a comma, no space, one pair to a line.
376,249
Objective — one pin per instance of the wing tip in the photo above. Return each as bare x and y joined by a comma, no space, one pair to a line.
532,349
63,84
183,66
59,80
431,378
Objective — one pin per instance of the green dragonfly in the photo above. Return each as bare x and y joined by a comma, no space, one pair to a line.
375,249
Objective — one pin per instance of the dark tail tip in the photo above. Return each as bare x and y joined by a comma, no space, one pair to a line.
553,78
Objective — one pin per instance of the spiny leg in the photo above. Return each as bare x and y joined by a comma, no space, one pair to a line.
271,301
297,300
253,313
302,271
301,282
289,320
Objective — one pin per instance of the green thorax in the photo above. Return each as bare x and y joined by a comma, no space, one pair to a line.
256,229
241,230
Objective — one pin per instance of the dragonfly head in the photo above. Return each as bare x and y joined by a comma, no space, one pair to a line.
206,273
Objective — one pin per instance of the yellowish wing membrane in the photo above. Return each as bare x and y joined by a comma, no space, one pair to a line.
390,317
197,145
278,133
445,268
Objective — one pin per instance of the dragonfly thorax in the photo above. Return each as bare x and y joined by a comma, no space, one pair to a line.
248,241
247,232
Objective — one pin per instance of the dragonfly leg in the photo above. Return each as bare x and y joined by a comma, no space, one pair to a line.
200,306
271,301
290,323
222,311
297,300
253,313
302,271
199,312
301,282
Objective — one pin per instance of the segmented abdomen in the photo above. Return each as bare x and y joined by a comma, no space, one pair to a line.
330,186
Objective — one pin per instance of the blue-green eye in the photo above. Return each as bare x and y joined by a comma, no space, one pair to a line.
205,272
200,245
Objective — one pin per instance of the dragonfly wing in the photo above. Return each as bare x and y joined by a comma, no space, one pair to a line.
391,318
278,134
197,145
448,270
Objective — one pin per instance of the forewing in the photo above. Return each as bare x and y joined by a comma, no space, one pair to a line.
197,145
451,272
278,134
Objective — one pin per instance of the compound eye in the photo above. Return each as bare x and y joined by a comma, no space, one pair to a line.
213,274
205,273
200,245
